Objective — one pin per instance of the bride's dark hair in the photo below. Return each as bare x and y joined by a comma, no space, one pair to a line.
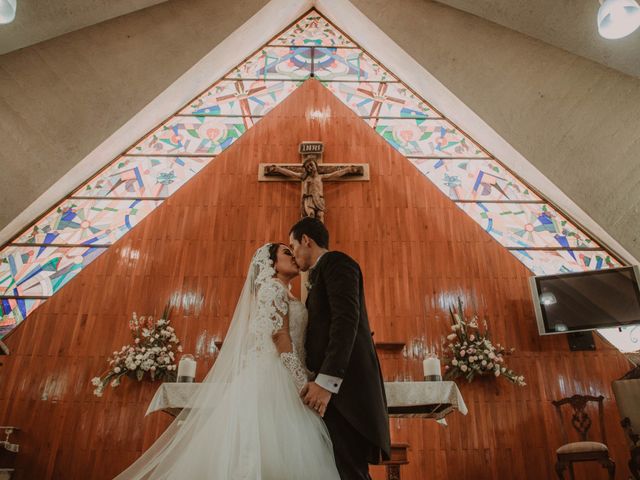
273,253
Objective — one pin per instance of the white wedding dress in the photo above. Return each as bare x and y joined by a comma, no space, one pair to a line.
247,420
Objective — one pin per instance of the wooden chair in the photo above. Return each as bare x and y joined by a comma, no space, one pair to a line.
398,457
584,450
627,393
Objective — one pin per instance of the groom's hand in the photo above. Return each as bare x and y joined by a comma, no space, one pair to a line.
315,397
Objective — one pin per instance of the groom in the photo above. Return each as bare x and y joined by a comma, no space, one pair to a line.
348,390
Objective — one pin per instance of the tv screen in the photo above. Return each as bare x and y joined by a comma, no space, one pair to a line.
573,302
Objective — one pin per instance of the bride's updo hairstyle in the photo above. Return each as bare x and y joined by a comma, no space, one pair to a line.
273,253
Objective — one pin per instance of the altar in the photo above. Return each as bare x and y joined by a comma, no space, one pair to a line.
432,400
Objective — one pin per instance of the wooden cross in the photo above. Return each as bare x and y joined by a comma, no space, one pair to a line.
311,173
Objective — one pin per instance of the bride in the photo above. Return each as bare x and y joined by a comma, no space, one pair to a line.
247,420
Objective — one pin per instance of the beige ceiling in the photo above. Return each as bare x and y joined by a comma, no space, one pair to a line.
38,20
567,24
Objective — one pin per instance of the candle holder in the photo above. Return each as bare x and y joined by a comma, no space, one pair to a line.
432,369
187,369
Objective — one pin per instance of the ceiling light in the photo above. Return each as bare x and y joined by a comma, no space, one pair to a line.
618,18
7,11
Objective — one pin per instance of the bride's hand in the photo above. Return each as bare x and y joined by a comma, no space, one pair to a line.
282,338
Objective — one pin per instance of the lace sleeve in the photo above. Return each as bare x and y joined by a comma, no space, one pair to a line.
274,306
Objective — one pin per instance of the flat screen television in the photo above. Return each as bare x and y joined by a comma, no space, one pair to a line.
574,302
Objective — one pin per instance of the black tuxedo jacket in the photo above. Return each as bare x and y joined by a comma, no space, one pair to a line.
339,344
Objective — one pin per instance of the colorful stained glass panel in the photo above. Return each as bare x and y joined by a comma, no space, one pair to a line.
241,97
544,262
313,30
87,222
348,64
41,271
481,179
15,310
527,225
143,177
419,137
276,63
194,135
381,99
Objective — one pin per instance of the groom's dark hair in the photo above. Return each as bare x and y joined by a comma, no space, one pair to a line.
312,228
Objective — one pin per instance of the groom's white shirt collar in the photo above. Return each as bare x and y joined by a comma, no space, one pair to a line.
318,259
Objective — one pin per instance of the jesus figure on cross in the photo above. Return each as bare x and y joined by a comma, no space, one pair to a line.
312,187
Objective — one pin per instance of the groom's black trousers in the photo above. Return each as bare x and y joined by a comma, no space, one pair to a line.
350,448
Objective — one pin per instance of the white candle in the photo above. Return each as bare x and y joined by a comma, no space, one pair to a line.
186,368
431,366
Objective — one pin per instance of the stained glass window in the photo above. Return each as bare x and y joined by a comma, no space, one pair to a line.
381,99
527,225
27,271
474,180
194,136
426,138
143,177
88,221
313,30
241,97
51,251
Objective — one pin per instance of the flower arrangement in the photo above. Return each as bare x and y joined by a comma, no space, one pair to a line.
471,352
153,352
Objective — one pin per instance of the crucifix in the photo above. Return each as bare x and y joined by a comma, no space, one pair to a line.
312,174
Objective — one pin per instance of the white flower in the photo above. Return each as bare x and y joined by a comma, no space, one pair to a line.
451,336
137,340
464,368
117,369
454,362
497,373
179,348
95,381
484,363
472,337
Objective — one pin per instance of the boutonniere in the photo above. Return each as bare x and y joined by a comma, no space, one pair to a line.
308,285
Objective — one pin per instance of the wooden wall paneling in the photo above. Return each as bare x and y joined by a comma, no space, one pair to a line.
418,253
